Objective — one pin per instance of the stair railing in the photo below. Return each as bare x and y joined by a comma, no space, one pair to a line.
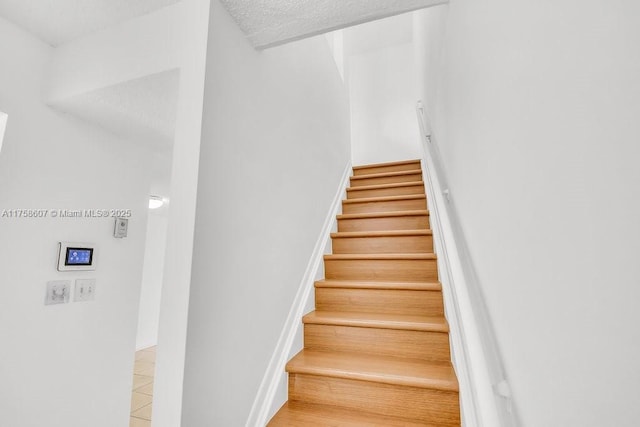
485,395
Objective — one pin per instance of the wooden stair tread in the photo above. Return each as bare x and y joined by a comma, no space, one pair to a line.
363,284
390,233
417,212
301,414
383,186
386,174
377,369
377,320
385,199
378,165
412,256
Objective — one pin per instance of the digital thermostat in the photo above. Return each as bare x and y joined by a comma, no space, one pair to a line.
77,256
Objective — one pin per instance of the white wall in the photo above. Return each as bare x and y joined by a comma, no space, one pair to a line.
534,108
66,365
382,85
336,45
152,273
275,144
3,126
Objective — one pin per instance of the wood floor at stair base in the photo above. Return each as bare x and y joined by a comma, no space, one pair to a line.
384,168
410,177
418,404
384,206
383,301
384,342
413,222
383,245
409,270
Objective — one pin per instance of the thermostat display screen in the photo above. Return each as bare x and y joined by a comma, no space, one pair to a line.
79,256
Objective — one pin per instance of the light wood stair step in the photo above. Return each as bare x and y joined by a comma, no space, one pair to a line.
386,167
398,286
300,414
384,221
386,178
393,241
377,369
417,390
409,267
393,256
412,337
385,204
405,298
378,320
397,189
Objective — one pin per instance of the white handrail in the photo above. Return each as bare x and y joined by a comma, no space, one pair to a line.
484,390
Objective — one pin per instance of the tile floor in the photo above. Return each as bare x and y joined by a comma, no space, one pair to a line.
142,394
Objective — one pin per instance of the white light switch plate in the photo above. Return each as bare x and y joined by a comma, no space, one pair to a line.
58,292
85,290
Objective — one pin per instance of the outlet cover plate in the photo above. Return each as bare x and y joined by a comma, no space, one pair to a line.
58,292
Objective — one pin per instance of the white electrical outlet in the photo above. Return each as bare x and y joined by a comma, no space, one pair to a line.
58,292
85,290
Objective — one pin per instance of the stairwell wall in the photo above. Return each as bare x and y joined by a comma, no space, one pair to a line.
534,108
382,83
275,143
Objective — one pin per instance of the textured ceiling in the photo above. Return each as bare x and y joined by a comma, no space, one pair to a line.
58,21
272,22
141,110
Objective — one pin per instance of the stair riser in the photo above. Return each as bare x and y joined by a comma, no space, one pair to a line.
383,245
384,206
384,169
406,302
385,342
402,270
382,192
427,405
415,222
412,177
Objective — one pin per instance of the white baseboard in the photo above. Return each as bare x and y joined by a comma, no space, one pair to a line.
274,382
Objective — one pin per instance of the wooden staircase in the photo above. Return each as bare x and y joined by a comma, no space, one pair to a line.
376,350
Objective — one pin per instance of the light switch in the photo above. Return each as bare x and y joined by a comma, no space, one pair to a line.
85,290
58,292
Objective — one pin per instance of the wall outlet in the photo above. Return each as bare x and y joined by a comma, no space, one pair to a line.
85,290
58,292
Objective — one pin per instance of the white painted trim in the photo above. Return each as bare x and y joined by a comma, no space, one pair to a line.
263,405
145,345
3,126
475,351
